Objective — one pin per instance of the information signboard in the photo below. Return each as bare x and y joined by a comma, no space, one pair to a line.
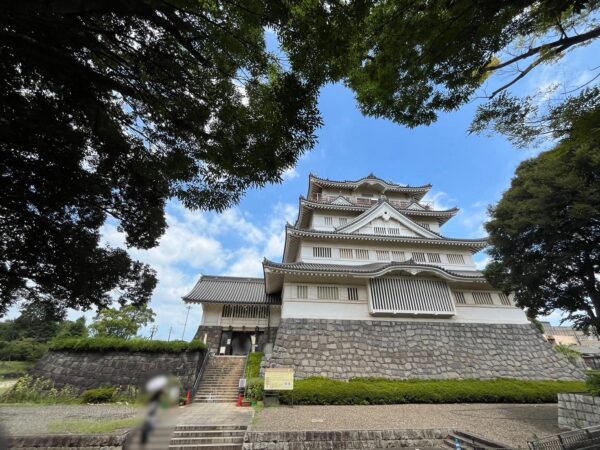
279,379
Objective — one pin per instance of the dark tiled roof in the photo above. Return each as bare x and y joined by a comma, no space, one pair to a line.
353,183
238,290
365,268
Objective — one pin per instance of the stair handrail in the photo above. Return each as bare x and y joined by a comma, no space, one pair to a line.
199,375
244,372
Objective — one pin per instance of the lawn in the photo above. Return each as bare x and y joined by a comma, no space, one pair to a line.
92,426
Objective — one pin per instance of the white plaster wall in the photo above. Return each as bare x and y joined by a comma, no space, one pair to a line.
320,221
346,310
211,316
306,253
314,308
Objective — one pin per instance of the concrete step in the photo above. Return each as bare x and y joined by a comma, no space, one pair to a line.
209,433
208,440
210,428
205,447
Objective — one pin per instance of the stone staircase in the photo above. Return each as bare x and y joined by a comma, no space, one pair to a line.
469,441
219,383
208,437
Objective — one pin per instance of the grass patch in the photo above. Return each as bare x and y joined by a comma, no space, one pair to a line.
92,426
253,366
131,345
11,370
324,391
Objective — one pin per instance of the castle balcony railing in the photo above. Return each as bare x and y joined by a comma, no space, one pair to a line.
367,201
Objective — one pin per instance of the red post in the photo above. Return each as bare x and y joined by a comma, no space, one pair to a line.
240,399
188,398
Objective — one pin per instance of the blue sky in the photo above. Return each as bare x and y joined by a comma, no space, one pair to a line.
467,171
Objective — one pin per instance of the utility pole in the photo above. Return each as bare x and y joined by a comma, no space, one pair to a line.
153,330
169,338
186,319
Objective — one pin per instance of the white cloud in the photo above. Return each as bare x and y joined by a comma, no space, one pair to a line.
290,174
440,200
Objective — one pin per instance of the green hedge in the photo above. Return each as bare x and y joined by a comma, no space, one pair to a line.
253,366
255,389
105,344
323,391
593,382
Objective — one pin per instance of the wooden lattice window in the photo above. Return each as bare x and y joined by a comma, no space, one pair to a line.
352,293
483,298
328,220
361,253
301,291
419,257
398,255
460,298
327,293
382,255
504,299
379,230
321,252
434,258
455,258
346,253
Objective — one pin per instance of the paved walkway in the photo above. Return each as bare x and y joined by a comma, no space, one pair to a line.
507,423
214,414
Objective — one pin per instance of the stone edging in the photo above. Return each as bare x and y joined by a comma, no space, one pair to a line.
345,439
578,411
67,440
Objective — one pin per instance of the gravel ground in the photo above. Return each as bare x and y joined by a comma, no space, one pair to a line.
506,423
29,420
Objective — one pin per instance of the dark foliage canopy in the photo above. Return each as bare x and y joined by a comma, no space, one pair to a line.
110,108
545,231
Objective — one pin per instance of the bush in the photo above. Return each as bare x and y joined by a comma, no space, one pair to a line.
99,395
593,382
37,390
253,366
255,389
324,391
22,350
108,344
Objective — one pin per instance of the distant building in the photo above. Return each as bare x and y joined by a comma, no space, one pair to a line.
368,286
586,344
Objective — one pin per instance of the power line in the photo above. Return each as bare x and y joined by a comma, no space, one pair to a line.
186,319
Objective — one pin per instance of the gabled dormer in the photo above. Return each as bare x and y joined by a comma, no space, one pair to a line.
384,219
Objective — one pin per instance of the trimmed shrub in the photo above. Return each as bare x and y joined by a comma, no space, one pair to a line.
109,344
593,382
255,389
99,395
324,391
253,366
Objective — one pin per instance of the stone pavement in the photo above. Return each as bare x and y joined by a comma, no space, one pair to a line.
214,414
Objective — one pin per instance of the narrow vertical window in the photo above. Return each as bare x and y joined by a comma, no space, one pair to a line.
301,291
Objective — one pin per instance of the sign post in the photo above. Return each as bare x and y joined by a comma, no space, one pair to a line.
280,379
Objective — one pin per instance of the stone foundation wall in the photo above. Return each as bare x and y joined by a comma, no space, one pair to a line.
340,440
213,337
344,349
87,370
578,411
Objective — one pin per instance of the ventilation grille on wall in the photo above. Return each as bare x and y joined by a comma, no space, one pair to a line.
414,296
483,298
321,252
352,293
504,299
245,311
454,258
460,298
301,291
346,253
361,253
327,293
398,255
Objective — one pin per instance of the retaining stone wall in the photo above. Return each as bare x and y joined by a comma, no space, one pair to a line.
340,440
213,337
344,349
578,411
87,370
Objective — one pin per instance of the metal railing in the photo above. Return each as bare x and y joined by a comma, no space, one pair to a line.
586,438
199,374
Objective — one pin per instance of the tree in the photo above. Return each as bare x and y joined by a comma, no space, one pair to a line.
545,231
121,323
109,109
410,60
